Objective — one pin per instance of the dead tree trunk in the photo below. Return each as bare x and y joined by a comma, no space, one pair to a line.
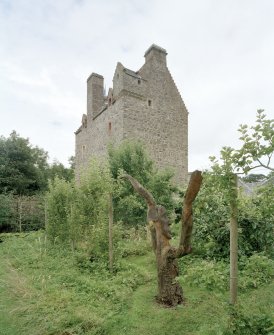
170,292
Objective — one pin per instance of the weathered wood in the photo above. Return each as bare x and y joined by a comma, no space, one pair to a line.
170,292
233,241
110,232
187,214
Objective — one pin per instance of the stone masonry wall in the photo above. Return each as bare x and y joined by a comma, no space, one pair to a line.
146,105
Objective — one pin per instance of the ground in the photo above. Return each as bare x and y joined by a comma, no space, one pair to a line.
45,290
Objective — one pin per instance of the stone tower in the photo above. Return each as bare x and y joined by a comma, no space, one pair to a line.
144,105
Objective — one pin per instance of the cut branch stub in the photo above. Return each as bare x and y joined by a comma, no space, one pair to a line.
187,219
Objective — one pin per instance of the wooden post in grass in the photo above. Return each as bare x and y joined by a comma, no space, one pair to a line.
20,201
233,240
110,232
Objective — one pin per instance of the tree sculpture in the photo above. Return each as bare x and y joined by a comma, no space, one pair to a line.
170,292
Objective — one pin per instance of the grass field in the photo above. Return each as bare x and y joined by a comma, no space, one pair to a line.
45,290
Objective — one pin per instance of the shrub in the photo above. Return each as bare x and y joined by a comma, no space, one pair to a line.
212,217
244,324
257,270
7,213
58,200
207,274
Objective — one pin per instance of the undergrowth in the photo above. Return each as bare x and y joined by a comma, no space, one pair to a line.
48,290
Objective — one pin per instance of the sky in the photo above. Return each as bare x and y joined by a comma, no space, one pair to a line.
220,54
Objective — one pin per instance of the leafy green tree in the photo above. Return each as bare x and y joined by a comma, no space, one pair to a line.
255,219
131,158
22,166
256,151
57,169
253,178
7,213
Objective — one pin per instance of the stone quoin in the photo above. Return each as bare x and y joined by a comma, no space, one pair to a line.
144,105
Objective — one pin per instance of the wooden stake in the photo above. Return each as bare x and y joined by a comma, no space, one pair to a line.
110,232
233,241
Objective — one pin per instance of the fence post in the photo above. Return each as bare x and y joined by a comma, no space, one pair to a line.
233,241
110,232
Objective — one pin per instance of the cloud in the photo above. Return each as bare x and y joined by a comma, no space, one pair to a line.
220,54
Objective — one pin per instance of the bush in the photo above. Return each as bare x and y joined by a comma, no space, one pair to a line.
212,217
211,275
78,216
58,200
244,324
257,270
7,213
207,274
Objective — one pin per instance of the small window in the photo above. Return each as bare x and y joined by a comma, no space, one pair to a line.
109,128
149,102
117,76
139,81
83,150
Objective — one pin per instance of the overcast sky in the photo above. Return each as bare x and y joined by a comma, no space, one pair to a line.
220,54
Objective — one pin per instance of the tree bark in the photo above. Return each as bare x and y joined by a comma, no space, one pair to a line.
170,293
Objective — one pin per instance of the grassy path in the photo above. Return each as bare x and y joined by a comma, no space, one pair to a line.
45,292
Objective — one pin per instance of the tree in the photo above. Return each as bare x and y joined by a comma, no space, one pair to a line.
22,166
256,151
131,158
170,292
254,178
257,146
57,169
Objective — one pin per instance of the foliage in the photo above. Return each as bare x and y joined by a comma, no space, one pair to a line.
211,275
211,229
131,157
78,216
207,274
256,222
257,270
58,200
256,151
241,323
57,169
7,213
48,293
254,178
258,144
22,166
21,213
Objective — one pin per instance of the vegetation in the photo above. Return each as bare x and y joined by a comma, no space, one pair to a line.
48,290
58,282
22,166
24,177
131,158
255,220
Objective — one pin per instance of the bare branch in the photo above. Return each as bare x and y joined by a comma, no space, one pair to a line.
140,190
265,166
